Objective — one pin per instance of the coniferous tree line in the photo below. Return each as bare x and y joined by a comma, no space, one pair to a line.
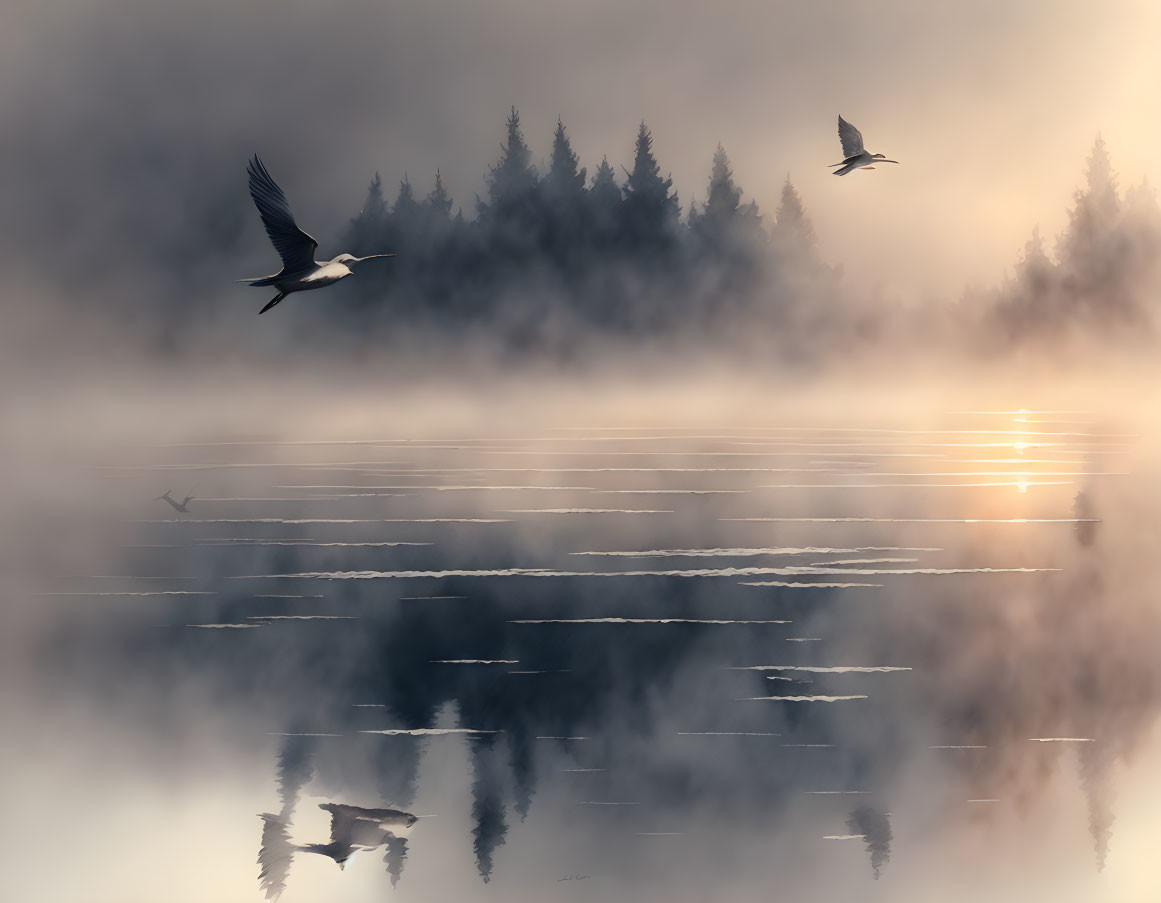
549,253
1102,279
547,256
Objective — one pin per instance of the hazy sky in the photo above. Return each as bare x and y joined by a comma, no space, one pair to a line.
148,110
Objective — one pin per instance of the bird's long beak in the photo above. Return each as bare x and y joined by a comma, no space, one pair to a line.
886,161
372,257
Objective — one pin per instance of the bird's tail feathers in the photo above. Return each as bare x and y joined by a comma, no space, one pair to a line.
261,280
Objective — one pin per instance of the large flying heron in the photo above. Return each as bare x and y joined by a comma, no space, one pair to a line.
856,156
300,271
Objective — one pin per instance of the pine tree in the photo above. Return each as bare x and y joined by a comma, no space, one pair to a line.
793,233
651,213
438,202
513,177
645,180
370,224
564,180
405,207
724,196
605,192
1084,247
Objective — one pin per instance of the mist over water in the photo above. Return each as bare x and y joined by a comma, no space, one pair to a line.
622,726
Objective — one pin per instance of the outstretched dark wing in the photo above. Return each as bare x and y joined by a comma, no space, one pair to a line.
851,140
342,821
294,246
385,817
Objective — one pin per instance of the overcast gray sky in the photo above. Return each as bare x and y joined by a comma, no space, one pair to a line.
121,117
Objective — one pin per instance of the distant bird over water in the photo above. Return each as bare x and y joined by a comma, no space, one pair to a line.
856,157
174,503
300,271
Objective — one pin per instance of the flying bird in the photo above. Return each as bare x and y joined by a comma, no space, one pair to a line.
354,828
174,503
300,271
856,156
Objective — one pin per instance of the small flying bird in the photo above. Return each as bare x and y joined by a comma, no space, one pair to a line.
300,271
856,156
174,503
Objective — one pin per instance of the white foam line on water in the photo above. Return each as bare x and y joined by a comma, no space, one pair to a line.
583,511
579,770
427,598
750,553
473,661
309,543
301,618
855,561
429,732
327,520
799,698
286,596
915,520
990,473
918,485
1061,740
788,584
670,491
702,572
226,626
445,488
727,734
640,621
804,639
844,836
563,738
282,498
849,449
822,669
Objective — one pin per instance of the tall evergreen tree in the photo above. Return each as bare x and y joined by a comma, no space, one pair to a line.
438,202
605,192
513,177
651,212
370,225
405,208
724,196
1084,247
564,179
793,233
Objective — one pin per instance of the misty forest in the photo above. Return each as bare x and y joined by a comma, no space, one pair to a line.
552,253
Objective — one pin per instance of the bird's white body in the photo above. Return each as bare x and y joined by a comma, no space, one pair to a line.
855,155
326,273
300,271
